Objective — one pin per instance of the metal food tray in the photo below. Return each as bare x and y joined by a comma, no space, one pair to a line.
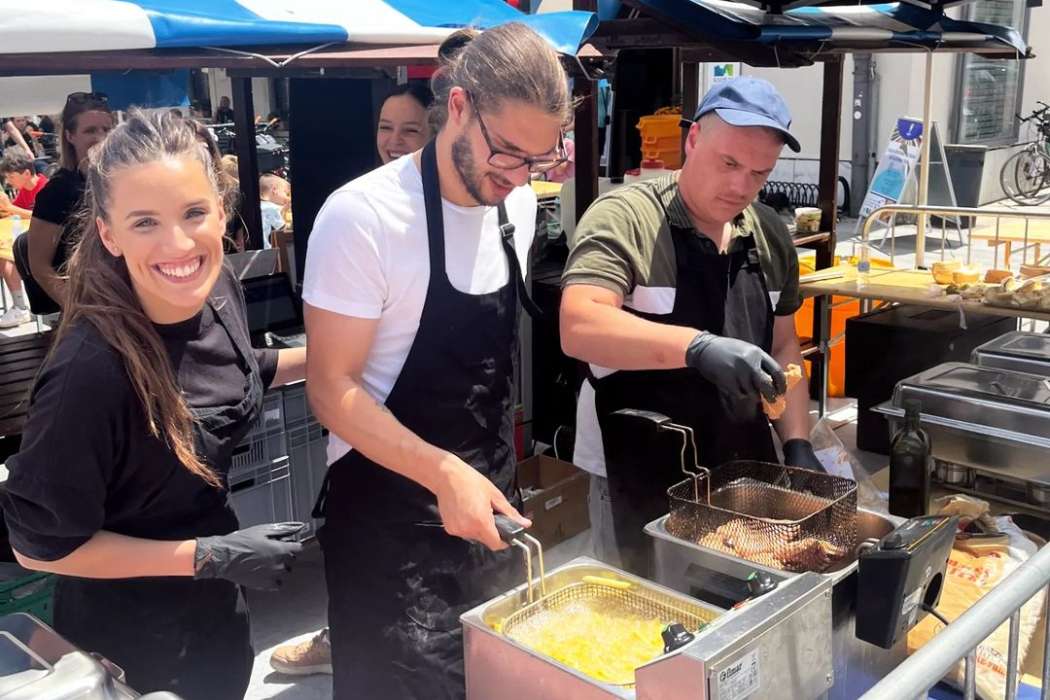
1017,351
987,418
642,601
768,503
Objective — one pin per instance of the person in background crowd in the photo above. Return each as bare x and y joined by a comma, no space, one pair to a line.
411,292
18,172
120,486
236,230
275,199
403,124
230,167
19,133
42,253
403,128
224,114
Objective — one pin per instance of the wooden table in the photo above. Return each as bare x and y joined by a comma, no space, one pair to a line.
1013,232
913,287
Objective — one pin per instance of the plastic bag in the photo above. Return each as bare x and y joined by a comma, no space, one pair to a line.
838,461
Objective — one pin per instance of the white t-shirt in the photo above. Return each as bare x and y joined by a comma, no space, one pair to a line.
271,219
367,257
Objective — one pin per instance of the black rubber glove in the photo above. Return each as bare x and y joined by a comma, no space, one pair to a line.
256,557
739,369
799,453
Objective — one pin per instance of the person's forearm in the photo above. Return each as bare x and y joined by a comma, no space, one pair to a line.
610,337
795,421
345,408
291,366
109,555
19,140
12,210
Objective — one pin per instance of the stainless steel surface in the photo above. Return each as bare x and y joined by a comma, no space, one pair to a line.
634,600
778,646
1011,653
780,516
953,474
786,633
990,419
713,575
494,663
930,663
1045,685
1039,494
970,682
38,663
1017,351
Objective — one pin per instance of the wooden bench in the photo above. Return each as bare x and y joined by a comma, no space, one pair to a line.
20,362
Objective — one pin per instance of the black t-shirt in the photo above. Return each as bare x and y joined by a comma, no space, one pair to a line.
88,462
56,204
224,115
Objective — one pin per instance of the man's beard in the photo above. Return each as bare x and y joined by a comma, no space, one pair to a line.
463,159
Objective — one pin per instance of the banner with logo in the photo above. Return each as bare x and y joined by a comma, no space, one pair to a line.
896,167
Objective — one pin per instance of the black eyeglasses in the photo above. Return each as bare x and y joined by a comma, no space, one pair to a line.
87,97
511,161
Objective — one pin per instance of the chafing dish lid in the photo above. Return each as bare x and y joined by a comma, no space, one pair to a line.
1034,346
987,400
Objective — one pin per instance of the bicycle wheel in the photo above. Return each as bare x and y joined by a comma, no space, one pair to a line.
1025,177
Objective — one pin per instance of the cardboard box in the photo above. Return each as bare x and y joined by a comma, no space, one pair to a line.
555,494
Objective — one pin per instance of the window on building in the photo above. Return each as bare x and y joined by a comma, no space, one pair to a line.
990,89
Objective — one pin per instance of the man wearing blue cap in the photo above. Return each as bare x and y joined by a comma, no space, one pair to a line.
680,292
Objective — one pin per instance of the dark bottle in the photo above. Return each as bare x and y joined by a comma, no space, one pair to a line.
910,466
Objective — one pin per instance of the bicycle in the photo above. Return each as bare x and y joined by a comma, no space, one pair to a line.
1025,176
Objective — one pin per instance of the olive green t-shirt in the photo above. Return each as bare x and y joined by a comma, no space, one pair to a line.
623,243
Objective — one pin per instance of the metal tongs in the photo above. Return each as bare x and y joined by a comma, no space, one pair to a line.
664,423
514,534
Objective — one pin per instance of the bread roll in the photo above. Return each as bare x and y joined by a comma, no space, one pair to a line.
942,271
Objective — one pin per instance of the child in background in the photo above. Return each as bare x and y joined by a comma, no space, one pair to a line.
19,172
276,199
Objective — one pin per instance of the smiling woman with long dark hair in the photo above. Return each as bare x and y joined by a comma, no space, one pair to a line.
120,484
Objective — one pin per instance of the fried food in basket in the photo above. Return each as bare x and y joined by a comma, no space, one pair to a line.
777,549
775,409
595,637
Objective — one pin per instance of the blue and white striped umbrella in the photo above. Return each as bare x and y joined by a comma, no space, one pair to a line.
855,27
107,25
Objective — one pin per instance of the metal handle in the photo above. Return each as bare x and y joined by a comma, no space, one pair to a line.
514,534
508,529
662,422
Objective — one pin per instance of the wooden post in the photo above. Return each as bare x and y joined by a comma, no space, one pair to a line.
247,160
690,95
586,132
831,115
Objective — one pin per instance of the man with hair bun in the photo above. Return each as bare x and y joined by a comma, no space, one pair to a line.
412,288
680,292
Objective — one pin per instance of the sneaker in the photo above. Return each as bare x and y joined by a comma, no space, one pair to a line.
15,317
302,659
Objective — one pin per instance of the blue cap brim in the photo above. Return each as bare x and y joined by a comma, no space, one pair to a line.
739,117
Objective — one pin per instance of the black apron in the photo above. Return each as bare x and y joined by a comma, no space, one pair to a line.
188,637
397,582
723,294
